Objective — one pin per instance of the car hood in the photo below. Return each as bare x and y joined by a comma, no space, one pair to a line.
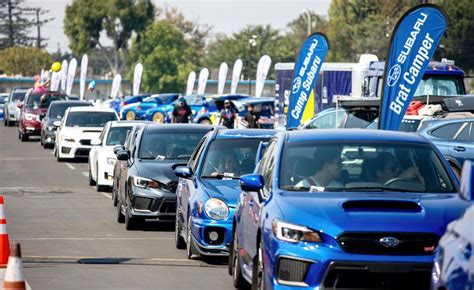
226,190
334,213
82,132
162,171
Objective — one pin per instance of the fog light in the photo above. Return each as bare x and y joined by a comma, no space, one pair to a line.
213,236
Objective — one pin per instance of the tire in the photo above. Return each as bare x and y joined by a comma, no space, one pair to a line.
120,216
132,223
235,269
178,239
258,269
190,247
24,137
130,115
205,121
158,117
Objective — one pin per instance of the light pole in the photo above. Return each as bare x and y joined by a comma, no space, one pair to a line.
252,43
309,20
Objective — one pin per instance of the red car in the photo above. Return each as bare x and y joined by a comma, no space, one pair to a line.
34,105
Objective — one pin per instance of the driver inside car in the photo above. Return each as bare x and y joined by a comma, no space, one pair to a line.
386,168
228,165
328,163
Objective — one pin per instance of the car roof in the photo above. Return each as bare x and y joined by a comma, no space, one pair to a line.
353,135
244,133
177,127
91,109
70,102
126,123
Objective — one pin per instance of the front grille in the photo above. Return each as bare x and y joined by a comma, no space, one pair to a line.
209,232
370,243
82,152
291,270
168,206
85,142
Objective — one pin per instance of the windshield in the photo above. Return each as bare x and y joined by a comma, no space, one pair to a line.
345,166
43,101
230,158
440,86
18,96
117,135
153,99
56,111
89,119
161,145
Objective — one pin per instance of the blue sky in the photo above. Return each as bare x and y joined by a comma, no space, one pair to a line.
225,16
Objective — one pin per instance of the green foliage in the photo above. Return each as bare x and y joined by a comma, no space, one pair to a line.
458,40
27,61
163,51
14,26
86,19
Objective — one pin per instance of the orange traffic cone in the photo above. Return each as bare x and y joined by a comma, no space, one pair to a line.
14,277
4,241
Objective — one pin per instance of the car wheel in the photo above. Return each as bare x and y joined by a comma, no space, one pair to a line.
178,239
190,247
120,216
205,122
130,115
132,223
91,180
258,269
158,117
23,137
235,268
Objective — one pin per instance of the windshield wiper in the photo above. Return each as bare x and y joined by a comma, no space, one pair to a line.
384,189
220,176
296,188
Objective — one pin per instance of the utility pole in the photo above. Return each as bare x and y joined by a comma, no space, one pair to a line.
252,43
37,13
38,27
10,24
308,14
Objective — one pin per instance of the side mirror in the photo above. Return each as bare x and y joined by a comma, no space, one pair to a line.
19,105
118,148
95,142
123,155
184,172
467,181
251,182
57,123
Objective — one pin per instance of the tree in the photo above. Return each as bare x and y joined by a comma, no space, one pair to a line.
162,50
299,26
86,20
27,61
362,26
458,41
39,20
13,25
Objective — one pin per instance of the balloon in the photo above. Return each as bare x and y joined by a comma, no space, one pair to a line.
56,66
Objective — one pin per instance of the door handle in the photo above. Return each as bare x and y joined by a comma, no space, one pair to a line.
459,148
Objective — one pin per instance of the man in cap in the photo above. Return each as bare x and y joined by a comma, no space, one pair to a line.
181,112
228,115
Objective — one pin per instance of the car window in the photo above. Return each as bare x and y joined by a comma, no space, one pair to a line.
160,145
464,133
56,111
89,119
363,167
193,162
447,131
327,120
267,169
230,158
117,135
17,96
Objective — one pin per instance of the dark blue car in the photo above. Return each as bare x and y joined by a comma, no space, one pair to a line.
343,209
137,111
163,113
209,186
454,264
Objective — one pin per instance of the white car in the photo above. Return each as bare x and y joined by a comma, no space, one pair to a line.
102,158
76,130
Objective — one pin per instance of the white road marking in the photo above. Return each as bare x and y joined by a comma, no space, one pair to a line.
108,195
70,166
85,173
89,239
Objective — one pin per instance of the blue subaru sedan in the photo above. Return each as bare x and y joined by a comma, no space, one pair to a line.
208,189
343,209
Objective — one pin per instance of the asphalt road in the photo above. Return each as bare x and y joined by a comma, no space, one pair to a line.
69,236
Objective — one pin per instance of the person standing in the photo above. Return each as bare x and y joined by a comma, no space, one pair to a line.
182,112
228,115
251,118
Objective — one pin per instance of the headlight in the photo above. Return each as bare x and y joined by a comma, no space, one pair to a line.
111,161
144,182
294,233
216,209
30,117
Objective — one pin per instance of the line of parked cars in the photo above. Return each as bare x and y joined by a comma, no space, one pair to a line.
291,209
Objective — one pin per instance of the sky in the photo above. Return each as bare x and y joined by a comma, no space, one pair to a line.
225,16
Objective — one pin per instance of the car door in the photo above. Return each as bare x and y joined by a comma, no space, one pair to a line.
462,146
94,154
126,165
443,135
254,204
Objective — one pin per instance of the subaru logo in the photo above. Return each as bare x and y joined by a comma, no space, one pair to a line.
296,85
389,242
394,75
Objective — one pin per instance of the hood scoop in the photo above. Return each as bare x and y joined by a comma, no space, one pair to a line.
381,206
